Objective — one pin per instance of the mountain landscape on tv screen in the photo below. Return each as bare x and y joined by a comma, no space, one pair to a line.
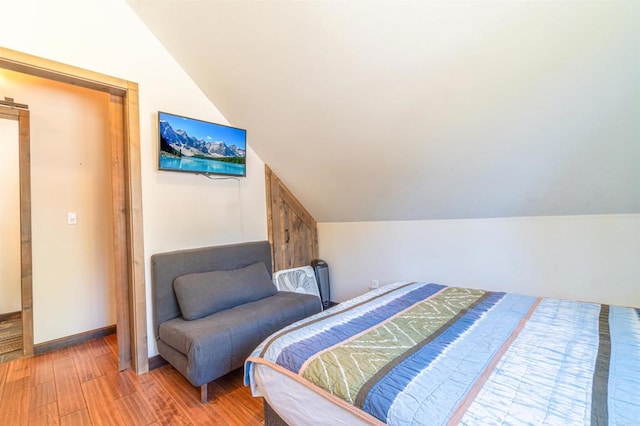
178,143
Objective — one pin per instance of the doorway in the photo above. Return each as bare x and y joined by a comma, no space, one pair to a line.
126,192
16,327
71,215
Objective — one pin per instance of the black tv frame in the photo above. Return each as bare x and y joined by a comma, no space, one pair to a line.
214,127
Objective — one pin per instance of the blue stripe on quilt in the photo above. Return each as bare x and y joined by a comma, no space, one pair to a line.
320,322
450,377
297,353
624,372
545,377
383,394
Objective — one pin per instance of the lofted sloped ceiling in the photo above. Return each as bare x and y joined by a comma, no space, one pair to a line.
398,110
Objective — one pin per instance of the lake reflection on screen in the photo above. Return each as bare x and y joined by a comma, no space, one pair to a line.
201,165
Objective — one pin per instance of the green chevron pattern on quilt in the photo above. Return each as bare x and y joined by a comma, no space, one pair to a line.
361,358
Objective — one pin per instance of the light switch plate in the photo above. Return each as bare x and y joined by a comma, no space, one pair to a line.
72,218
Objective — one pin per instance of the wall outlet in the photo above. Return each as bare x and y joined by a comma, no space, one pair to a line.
72,218
374,284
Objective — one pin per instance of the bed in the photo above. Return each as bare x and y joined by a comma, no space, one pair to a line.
420,353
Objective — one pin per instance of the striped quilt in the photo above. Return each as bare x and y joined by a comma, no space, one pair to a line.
418,353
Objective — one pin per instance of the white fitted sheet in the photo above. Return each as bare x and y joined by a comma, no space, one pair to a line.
295,403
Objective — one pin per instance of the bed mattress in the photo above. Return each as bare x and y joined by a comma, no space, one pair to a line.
419,353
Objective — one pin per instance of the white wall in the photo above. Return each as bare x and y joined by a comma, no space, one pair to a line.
415,110
179,210
590,258
9,218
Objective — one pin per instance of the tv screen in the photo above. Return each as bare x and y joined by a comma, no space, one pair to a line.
196,146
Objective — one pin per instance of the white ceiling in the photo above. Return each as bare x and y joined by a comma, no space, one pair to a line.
405,110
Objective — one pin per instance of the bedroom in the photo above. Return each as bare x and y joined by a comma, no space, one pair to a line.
569,252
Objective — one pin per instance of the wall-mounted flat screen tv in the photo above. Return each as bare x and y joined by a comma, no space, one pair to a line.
196,146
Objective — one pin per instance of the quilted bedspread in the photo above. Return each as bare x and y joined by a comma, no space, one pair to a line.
418,353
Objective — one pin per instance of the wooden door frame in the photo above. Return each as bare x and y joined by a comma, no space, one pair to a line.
26,287
124,129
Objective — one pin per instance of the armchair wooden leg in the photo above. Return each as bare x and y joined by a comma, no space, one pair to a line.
204,389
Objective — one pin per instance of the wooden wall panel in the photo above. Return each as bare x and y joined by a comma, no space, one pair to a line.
292,230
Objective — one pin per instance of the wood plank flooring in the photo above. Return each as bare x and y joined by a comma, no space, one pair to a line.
81,385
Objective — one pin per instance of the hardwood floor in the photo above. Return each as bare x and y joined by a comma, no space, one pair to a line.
81,385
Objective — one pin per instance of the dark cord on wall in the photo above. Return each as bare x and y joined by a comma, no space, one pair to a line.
210,176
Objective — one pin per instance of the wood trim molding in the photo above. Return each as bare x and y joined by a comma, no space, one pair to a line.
137,291
26,282
25,234
57,71
156,362
9,113
10,316
118,195
65,342
33,65
268,175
